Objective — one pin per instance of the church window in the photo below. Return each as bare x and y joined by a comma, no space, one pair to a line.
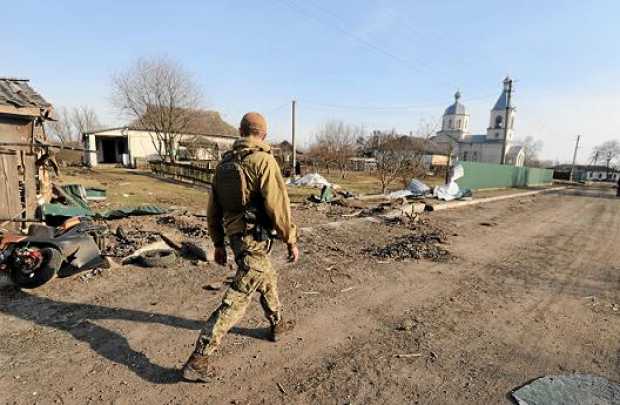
458,124
498,121
474,156
450,123
465,155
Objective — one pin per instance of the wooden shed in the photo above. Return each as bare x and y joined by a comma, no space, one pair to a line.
24,174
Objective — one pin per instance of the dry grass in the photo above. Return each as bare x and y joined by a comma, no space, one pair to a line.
127,187
355,182
130,188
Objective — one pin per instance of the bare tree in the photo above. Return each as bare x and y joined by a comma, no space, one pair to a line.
61,129
84,119
415,148
608,152
388,150
335,143
70,125
160,96
531,149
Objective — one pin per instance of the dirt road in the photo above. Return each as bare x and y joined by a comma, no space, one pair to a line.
534,290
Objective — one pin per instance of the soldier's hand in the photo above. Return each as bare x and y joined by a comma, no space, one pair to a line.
220,256
293,253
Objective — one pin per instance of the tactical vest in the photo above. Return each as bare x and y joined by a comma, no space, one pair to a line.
231,188
234,196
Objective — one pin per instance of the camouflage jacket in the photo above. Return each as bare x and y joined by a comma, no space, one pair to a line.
263,177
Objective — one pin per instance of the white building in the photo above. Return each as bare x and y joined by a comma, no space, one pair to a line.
487,147
129,145
601,173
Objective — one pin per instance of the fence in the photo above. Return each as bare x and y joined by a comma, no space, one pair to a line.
486,175
181,172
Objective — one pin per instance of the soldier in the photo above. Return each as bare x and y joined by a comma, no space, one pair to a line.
248,200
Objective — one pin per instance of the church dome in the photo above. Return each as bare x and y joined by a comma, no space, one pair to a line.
457,107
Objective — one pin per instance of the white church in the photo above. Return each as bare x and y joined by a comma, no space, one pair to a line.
482,148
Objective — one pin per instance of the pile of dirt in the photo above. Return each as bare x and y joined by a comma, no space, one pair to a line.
192,226
425,242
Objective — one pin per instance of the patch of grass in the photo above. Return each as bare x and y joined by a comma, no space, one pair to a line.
130,188
358,183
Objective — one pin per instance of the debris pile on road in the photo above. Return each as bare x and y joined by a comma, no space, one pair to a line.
123,242
188,225
423,243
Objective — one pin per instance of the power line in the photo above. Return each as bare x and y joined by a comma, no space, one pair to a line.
295,6
319,105
340,27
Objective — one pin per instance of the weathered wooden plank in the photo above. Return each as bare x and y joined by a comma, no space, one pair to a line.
10,206
30,183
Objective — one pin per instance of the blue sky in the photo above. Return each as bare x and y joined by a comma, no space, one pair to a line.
381,64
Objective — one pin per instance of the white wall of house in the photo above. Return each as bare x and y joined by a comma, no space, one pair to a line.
601,175
141,145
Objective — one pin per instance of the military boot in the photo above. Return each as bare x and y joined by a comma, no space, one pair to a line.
196,368
281,328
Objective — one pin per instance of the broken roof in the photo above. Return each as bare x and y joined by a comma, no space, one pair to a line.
18,98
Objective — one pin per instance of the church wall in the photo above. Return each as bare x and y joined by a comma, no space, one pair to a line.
480,152
455,122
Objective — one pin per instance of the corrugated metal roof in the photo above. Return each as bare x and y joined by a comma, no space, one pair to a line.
18,93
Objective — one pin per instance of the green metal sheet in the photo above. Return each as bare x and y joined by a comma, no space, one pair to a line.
486,175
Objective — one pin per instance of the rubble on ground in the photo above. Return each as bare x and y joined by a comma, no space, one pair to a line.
189,225
123,243
425,242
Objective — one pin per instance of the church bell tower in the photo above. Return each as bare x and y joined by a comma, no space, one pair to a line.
502,115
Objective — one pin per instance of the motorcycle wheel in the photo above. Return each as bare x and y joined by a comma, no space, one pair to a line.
52,260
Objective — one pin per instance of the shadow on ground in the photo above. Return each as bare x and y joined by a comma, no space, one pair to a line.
76,320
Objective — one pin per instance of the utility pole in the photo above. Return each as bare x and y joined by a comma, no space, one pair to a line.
293,138
507,123
572,169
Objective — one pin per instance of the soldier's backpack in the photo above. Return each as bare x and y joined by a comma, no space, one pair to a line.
230,182
233,195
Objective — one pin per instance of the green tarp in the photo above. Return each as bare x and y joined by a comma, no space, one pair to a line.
77,206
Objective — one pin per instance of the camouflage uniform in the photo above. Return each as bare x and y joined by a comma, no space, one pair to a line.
254,270
254,274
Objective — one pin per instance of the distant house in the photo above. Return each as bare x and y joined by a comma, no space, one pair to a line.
586,173
24,157
283,153
206,139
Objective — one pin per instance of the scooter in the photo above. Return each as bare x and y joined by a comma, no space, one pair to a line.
44,252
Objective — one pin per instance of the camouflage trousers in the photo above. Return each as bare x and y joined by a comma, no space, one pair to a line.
254,274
